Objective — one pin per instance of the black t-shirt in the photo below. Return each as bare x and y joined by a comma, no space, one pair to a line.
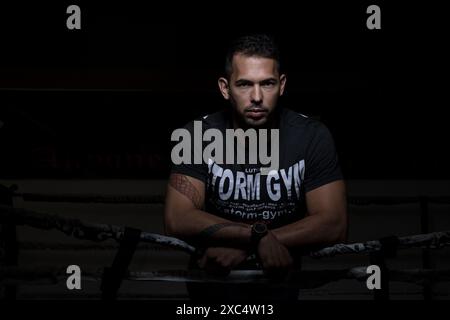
239,192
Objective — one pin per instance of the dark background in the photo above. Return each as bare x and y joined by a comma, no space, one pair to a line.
101,102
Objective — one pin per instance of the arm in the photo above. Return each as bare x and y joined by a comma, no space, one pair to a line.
185,219
326,222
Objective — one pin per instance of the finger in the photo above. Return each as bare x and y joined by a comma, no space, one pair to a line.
222,261
227,260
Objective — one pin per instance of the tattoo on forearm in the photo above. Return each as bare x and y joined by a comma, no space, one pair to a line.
209,231
185,187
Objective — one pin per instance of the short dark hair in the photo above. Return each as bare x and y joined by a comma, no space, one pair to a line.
260,45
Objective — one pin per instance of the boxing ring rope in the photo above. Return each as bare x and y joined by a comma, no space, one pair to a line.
100,232
305,278
83,230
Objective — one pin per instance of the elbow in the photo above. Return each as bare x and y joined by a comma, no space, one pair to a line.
341,236
337,236
171,229
175,230
338,231
174,226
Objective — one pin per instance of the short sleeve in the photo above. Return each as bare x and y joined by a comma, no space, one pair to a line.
197,171
321,160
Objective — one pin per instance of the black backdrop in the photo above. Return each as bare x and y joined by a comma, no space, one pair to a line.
102,101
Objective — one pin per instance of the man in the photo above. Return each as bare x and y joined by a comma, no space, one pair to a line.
233,210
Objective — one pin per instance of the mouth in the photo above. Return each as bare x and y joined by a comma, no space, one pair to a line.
256,113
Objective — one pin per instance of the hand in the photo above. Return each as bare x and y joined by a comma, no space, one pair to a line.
276,260
220,260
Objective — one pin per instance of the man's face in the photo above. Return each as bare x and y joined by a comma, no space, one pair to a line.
253,88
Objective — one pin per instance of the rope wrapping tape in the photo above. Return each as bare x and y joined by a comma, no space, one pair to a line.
83,230
101,232
432,240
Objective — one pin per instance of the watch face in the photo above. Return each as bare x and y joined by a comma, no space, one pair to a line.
259,227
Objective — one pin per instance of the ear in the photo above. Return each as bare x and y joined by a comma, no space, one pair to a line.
224,88
283,80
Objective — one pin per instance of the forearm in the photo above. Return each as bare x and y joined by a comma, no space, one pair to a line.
310,231
208,230
185,219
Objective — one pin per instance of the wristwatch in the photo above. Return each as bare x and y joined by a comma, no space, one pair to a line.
259,230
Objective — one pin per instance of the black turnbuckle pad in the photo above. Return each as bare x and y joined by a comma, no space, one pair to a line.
112,276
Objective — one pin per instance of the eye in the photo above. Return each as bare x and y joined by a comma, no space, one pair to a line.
268,84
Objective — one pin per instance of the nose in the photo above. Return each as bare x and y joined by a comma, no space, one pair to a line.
256,95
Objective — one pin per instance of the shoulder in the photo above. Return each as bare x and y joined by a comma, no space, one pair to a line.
300,124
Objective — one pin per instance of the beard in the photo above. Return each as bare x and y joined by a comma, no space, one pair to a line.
254,116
